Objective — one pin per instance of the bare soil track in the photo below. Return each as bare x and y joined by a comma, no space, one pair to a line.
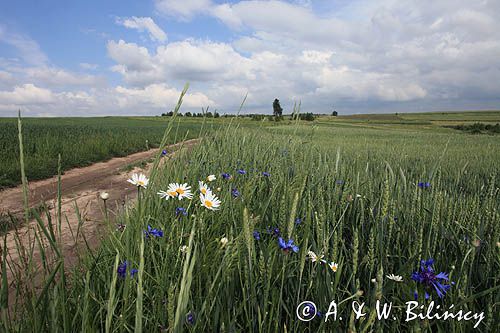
80,190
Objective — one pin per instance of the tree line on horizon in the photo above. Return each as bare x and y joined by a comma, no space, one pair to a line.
276,116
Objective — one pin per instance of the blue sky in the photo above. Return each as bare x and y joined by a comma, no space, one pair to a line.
133,57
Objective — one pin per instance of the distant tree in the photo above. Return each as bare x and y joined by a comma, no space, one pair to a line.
335,113
216,114
209,114
163,114
179,114
170,113
277,110
188,114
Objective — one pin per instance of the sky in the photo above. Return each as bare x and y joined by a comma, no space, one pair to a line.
94,57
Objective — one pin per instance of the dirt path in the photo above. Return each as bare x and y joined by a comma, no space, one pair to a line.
80,191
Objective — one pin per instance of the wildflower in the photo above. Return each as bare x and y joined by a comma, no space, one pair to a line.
183,249
164,152
242,172
314,257
476,242
430,280
226,176
266,174
298,221
211,178
210,201
122,269
133,272
358,195
139,180
424,184
120,227
273,231
218,189
104,196
333,266
373,280
256,235
176,190
203,188
190,318
180,211
396,278
224,241
287,246
153,232
235,193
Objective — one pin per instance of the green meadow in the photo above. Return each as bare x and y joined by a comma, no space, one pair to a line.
370,196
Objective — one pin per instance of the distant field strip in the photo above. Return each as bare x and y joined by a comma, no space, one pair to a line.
80,141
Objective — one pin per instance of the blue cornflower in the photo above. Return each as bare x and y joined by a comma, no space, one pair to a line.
430,280
266,174
153,232
256,235
287,246
273,231
133,272
226,176
190,318
298,221
179,211
242,172
122,269
424,185
164,152
235,193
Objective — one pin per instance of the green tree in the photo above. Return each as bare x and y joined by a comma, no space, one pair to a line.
277,110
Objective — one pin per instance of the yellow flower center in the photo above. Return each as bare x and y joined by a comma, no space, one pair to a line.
203,191
180,191
172,193
208,203
140,183
334,268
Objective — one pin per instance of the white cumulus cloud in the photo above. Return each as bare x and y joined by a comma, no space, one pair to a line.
144,24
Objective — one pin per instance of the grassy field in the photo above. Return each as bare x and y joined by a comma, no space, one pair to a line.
83,141
80,141
375,197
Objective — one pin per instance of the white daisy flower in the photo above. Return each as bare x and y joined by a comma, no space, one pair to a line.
211,178
104,195
184,249
210,201
183,191
176,190
170,193
397,278
204,189
314,257
333,266
139,180
224,241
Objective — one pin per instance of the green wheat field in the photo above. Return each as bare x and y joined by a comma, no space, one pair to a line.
346,209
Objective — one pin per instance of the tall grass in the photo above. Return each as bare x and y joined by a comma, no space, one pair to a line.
363,210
